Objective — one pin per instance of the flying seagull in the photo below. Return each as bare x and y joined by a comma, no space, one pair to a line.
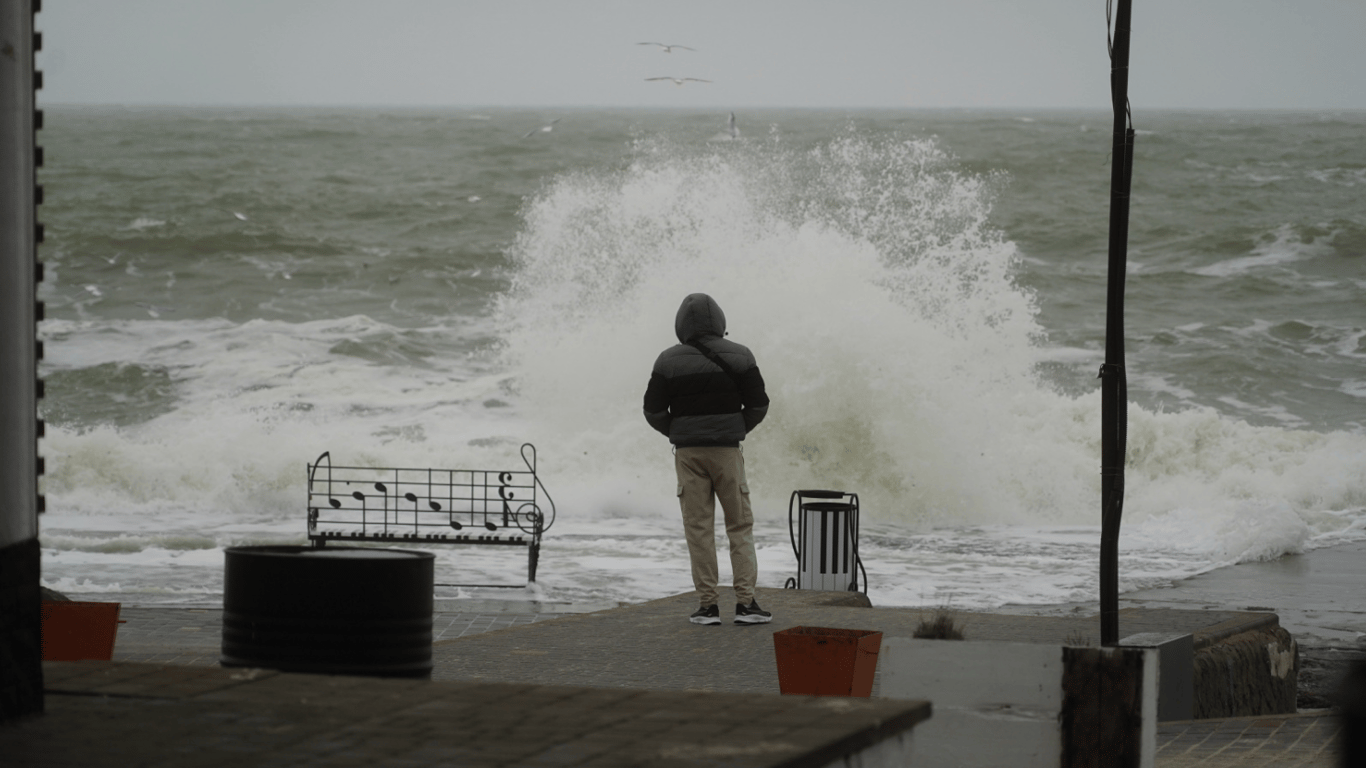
543,129
680,80
668,48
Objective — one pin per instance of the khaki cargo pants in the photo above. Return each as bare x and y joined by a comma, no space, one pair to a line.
704,475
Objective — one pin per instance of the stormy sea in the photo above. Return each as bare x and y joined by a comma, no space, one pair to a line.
232,292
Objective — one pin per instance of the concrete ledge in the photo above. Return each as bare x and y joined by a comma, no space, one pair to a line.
1250,673
1243,622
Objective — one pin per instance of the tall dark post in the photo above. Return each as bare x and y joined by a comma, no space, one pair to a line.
1114,397
21,670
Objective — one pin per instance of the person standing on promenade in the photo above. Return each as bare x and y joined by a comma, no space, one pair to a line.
706,394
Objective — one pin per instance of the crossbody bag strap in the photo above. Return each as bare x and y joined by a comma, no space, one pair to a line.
715,358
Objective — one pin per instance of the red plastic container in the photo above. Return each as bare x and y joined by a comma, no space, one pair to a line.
74,630
820,661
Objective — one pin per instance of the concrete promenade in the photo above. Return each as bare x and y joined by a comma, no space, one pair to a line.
193,635
651,645
544,666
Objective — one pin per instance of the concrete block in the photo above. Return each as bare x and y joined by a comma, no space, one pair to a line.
1025,704
1176,672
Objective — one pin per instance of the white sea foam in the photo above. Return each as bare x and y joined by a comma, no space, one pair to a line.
1346,177
1281,246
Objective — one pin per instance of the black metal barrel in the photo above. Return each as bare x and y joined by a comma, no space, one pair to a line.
333,610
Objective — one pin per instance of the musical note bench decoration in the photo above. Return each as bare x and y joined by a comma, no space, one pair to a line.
393,505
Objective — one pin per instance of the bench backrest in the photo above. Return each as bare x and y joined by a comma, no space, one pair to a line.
455,506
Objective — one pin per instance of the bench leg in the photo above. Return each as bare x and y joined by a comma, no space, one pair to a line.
532,556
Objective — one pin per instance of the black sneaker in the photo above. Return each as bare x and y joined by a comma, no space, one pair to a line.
707,615
751,614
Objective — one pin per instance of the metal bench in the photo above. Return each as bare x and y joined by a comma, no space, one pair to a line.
394,505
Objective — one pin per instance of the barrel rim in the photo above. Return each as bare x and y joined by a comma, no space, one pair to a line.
288,550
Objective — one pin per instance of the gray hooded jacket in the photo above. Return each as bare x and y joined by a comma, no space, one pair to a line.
691,399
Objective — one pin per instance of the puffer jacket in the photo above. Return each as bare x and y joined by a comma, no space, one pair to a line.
692,400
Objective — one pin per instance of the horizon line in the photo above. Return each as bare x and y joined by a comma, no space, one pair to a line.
870,108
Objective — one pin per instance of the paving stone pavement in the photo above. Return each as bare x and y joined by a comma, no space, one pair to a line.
652,647
1305,740
121,714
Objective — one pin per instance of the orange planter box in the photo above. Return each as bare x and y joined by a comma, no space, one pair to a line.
75,630
820,661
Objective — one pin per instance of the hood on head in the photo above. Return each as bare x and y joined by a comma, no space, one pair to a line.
699,316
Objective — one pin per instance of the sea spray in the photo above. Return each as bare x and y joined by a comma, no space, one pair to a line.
881,305
899,350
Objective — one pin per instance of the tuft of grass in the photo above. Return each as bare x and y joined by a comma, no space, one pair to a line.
1078,639
941,626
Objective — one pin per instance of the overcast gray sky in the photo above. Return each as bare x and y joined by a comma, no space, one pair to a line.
1243,54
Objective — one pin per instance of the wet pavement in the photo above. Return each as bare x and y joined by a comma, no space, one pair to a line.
568,673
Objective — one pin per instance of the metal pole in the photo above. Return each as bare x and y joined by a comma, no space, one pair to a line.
1114,396
21,673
